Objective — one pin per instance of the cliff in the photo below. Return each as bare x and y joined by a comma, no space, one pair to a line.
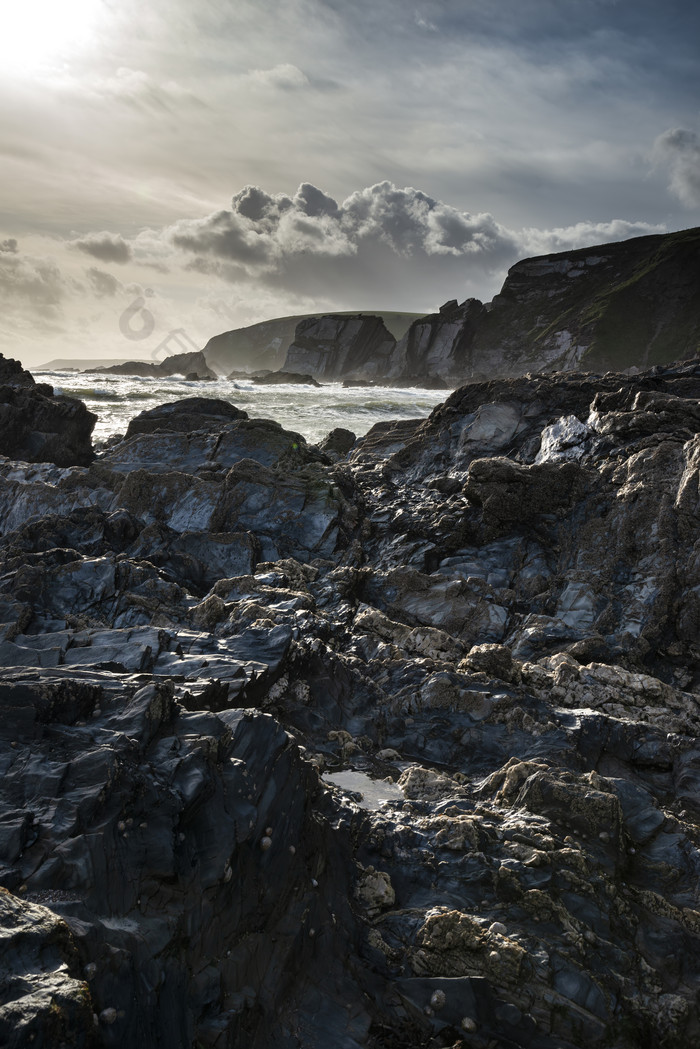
339,346
265,345
629,304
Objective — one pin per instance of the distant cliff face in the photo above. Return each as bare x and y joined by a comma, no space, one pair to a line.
336,346
192,365
632,303
265,345
438,346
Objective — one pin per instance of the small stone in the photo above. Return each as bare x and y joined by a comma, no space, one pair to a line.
292,849
494,956
497,927
90,970
109,1015
468,1024
437,1000
181,836
268,831
228,874
121,826
604,836
266,843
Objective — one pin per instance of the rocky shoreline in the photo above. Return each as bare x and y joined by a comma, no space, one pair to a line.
490,616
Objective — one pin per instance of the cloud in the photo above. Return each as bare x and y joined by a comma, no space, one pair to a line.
679,150
107,247
273,233
103,284
284,77
584,235
35,280
9,245
381,245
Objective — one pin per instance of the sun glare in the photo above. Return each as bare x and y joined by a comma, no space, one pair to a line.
36,33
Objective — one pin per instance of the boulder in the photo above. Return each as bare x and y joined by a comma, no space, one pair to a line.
36,426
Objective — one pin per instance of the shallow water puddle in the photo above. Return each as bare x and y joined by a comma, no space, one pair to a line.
374,792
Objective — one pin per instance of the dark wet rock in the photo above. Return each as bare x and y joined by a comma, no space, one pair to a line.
185,416
192,365
45,1000
494,609
36,426
285,378
338,442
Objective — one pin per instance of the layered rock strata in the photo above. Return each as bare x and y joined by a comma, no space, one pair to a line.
388,744
337,346
616,306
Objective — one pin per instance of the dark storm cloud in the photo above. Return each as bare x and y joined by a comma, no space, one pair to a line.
679,149
9,245
107,247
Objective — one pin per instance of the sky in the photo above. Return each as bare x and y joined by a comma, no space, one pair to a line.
173,169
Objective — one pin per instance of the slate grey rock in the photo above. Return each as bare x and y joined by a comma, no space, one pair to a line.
494,608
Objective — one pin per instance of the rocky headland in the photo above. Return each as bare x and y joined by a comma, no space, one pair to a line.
386,743
630,304
192,365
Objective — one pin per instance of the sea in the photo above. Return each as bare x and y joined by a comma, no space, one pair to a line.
309,410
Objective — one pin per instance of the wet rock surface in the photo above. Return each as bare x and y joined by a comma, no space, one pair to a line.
490,618
36,426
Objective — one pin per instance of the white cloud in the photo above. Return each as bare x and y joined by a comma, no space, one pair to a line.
583,235
679,150
284,77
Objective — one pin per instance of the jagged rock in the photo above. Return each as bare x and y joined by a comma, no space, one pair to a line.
186,415
45,1002
338,346
439,345
496,607
36,426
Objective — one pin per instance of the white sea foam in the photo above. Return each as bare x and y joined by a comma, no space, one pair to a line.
309,410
